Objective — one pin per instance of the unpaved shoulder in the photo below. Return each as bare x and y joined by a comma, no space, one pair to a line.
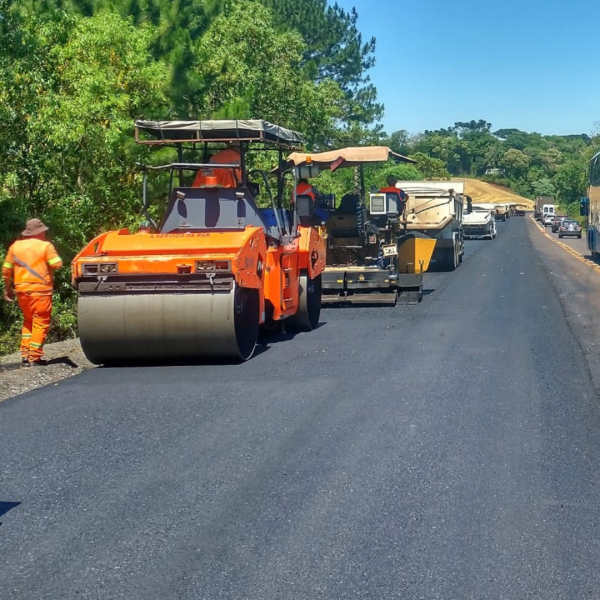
65,359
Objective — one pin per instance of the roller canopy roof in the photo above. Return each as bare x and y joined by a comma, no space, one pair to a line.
347,157
217,131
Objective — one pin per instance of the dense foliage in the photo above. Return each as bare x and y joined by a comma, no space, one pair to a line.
529,163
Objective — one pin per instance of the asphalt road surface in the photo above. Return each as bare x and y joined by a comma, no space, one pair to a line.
448,450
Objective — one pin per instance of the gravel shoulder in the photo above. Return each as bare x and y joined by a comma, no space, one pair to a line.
65,359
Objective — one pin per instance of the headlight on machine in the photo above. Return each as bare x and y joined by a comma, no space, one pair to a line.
108,268
90,269
100,268
213,266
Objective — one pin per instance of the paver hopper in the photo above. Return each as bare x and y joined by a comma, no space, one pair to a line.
370,257
201,282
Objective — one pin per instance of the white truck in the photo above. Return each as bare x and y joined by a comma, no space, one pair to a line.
480,223
548,214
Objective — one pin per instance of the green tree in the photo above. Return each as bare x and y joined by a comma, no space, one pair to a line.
444,146
377,177
515,162
529,161
175,29
571,181
543,187
430,168
399,141
250,63
334,50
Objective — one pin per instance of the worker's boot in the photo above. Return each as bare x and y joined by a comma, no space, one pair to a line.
38,363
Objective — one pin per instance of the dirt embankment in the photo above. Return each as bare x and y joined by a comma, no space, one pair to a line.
488,193
65,359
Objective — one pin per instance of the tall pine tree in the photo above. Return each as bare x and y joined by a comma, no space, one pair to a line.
334,50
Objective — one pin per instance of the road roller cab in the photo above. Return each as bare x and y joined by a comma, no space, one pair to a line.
201,282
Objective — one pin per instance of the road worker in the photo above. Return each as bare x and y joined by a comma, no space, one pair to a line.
393,189
306,189
29,263
229,178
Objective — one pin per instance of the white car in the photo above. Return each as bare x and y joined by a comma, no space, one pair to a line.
548,218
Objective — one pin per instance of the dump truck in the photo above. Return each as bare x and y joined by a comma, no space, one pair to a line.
501,212
371,259
540,201
435,209
200,283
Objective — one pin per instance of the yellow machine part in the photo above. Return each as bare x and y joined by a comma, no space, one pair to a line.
412,251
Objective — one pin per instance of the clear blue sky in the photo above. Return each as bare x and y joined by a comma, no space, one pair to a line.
529,64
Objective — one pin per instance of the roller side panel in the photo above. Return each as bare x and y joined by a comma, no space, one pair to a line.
312,249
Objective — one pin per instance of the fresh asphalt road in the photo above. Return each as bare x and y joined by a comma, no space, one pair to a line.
448,450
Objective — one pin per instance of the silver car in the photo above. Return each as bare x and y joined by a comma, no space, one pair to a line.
569,228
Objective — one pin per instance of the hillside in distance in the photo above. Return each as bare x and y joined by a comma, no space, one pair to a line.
489,193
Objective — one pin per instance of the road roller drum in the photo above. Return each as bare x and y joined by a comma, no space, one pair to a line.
118,328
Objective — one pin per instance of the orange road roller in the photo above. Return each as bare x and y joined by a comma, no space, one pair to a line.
219,266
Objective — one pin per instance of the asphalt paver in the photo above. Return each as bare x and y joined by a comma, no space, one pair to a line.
445,450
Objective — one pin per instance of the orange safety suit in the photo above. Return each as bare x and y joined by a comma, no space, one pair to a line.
392,190
229,178
30,262
305,189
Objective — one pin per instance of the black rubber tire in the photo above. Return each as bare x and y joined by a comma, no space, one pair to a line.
309,309
450,260
246,317
269,327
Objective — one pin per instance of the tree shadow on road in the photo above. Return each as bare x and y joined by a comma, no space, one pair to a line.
6,506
